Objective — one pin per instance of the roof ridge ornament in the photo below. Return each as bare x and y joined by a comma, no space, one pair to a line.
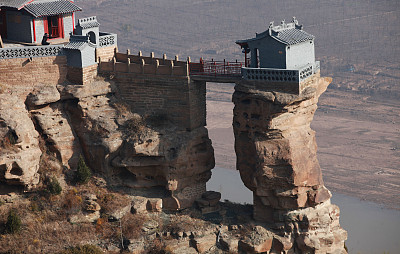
295,21
270,27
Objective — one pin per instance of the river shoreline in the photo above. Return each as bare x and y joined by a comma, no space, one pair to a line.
371,227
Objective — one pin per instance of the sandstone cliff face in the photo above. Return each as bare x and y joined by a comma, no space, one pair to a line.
275,147
19,145
137,151
277,159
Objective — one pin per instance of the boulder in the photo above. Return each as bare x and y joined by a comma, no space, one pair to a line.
258,241
139,205
154,205
212,197
43,95
204,244
85,217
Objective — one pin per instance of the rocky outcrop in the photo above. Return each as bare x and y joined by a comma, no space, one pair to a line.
19,145
53,123
277,159
128,149
275,147
149,152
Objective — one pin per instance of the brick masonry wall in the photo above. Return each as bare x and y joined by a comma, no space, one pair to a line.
197,100
182,101
41,70
106,54
82,76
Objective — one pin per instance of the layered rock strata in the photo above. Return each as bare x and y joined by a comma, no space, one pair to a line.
19,143
277,159
139,151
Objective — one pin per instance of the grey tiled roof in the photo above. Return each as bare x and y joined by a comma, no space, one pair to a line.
13,3
288,34
47,8
292,36
90,24
78,45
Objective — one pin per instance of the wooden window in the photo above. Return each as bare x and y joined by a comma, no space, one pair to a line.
54,27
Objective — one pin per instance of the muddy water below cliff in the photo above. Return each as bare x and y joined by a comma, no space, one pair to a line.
371,228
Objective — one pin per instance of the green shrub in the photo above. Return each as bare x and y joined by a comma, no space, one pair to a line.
53,186
13,224
85,249
83,173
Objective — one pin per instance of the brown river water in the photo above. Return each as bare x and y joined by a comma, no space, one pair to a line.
372,229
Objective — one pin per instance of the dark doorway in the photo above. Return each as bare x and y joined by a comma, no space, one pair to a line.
92,37
3,24
53,26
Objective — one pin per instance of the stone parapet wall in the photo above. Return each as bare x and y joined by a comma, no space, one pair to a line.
139,64
106,54
30,72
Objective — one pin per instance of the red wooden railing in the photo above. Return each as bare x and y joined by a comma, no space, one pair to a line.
216,68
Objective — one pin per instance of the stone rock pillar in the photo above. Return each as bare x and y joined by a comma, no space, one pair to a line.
277,159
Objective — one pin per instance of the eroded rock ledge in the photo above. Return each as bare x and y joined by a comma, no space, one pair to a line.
139,151
277,159
275,147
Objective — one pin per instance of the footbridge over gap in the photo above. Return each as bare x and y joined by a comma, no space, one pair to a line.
216,71
208,71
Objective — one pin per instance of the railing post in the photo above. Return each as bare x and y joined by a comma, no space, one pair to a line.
143,63
114,61
157,64
152,56
224,67
128,52
172,67
128,62
188,59
164,58
176,59
140,53
187,69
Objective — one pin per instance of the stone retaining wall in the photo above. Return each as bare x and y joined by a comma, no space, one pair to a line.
30,72
181,100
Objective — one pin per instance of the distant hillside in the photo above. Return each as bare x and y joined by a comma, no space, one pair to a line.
356,40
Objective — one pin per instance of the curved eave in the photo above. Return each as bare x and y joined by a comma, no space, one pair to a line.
52,14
